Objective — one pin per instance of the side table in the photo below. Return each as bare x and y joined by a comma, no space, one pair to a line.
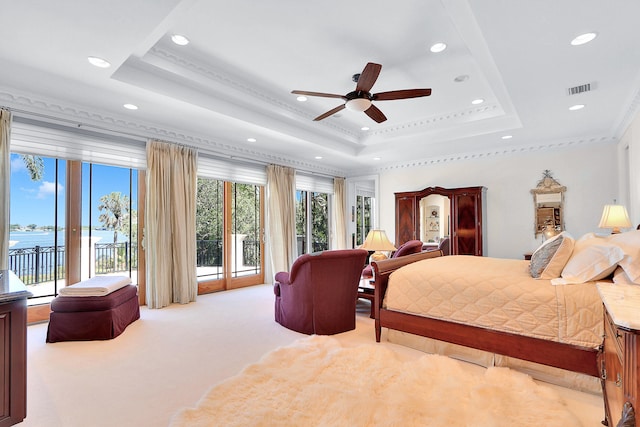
366,291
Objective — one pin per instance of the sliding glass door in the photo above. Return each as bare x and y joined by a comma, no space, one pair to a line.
229,227
312,221
71,221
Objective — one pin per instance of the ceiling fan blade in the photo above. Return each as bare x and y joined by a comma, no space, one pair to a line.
324,95
368,77
401,94
329,113
375,113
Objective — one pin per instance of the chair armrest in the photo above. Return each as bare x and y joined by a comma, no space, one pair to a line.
282,277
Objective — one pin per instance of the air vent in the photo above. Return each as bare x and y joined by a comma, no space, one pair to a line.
587,87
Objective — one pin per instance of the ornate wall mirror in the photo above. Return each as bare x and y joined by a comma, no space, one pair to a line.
548,201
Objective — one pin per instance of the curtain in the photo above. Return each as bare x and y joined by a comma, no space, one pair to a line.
281,214
170,232
5,175
340,208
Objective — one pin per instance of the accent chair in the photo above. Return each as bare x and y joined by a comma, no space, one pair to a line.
318,296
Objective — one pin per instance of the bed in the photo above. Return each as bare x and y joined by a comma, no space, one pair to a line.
478,303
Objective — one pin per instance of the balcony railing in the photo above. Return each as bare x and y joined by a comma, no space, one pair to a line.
38,264
41,263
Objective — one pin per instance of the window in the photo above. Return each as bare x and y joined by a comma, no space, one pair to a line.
363,217
312,221
231,258
50,246
37,218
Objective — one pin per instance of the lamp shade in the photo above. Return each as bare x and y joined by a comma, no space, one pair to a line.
377,241
614,217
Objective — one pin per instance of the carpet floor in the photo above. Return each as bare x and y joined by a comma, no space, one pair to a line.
170,358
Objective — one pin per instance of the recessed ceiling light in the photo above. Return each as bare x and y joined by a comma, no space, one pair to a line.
576,107
98,62
438,47
302,98
130,106
251,140
318,157
507,136
179,39
461,78
376,158
364,128
583,38
477,101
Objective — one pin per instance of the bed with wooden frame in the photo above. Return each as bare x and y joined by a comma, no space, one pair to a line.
575,358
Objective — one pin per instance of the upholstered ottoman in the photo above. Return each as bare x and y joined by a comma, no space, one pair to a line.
83,318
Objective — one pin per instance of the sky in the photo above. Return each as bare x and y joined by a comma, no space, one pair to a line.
34,202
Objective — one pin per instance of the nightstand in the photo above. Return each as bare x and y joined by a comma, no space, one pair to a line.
366,291
620,363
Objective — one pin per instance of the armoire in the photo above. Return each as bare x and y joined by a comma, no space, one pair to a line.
465,217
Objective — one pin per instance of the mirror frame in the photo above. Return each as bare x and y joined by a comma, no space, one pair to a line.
548,194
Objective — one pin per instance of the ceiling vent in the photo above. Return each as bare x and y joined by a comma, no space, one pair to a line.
587,87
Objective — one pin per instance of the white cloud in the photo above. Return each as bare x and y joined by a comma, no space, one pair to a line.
47,188
17,165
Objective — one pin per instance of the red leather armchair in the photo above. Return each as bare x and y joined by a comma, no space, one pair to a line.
318,296
407,248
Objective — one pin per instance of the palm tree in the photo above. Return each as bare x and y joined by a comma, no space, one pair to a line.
34,165
116,212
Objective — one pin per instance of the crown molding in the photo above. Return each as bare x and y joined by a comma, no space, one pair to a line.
47,111
234,81
488,154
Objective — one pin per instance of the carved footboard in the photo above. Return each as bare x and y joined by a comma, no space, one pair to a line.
565,356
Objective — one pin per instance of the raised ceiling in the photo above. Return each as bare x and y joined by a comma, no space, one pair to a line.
233,81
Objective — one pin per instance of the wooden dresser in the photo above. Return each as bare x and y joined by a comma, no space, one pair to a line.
13,349
621,359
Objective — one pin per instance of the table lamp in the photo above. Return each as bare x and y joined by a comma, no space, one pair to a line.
377,241
614,217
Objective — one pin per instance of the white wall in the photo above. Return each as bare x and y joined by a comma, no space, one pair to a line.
629,167
589,172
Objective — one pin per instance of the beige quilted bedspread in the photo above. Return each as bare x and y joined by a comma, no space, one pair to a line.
499,294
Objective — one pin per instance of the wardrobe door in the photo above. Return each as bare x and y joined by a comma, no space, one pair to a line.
406,226
467,216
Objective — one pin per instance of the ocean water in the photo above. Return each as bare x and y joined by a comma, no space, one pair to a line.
31,239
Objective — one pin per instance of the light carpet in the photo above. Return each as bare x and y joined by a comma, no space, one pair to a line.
318,382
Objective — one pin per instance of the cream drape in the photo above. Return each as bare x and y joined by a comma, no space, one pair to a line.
170,232
281,214
340,209
5,175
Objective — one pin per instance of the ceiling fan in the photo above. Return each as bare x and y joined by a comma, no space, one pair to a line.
361,98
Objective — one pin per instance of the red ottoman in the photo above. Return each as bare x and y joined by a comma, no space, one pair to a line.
93,318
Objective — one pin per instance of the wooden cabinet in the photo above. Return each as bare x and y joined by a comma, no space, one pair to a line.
620,360
13,349
466,222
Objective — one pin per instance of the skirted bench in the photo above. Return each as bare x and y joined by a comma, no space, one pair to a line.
96,309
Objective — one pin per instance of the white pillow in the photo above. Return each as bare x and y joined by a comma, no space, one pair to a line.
593,259
620,277
629,242
548,261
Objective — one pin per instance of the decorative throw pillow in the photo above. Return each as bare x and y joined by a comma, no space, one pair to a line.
629,242
550,258
592,259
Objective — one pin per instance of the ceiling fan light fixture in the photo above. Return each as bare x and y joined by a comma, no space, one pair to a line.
358,104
